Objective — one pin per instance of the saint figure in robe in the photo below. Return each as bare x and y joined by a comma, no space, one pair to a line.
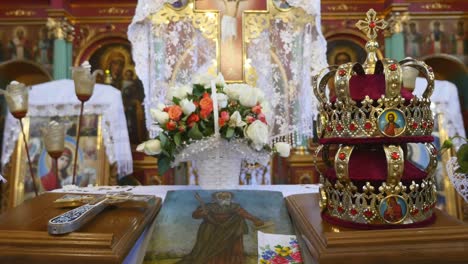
51,181
229,20
394,212
391,128
220,235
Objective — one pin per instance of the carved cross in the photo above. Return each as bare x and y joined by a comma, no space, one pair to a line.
231,41
371,25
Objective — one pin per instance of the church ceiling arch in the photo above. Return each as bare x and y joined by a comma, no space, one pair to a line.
25,71
445,66
98,42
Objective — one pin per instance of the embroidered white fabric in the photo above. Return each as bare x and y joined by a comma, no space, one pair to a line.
301,53
459,180
445,102
57,98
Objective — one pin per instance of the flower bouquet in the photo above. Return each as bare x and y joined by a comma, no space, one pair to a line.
215,124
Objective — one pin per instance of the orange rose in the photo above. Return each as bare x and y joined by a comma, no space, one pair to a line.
175,112
192,119
257,109
171,125
206,104
205,113
250,119
262,118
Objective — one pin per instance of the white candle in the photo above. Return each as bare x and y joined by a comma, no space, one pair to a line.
214,97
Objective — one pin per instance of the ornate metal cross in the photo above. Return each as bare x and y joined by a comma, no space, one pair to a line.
75,218
371,25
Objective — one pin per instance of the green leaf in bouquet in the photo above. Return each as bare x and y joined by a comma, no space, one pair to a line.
230,133
163,138
208,131
178,138
195,133
240,132
447,144
176,100
198,90
462,156
202,125
164,164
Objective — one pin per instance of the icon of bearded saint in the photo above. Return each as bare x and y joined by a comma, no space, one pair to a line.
220,235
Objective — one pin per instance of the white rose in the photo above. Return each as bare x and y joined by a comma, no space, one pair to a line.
150,147
248,97
258,133
203,79
222,100
160,116
161,106
180,92
188,106
236,120
233,90
220,80
283,149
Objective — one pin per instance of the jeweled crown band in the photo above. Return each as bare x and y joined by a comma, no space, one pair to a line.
394,156
386,204
346,118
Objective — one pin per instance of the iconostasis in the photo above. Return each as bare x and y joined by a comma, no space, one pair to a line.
433,31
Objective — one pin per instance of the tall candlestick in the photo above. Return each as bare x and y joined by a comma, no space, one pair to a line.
214,97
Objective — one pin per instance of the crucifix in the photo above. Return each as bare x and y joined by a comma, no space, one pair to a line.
72,220
231,41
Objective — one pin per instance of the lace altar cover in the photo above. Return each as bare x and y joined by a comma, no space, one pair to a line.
284,54
57,98
445,102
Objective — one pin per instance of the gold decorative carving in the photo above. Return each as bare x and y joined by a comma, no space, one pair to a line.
254,25
436,6
342,7
63,29
370,26
20,13
113,11
205,21
395,164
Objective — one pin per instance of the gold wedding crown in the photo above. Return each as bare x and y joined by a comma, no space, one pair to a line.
350,116
371,183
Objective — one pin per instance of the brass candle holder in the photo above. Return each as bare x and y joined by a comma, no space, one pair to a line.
17,98
54,141
84,86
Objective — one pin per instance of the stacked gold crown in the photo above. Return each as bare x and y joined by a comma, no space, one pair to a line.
388,122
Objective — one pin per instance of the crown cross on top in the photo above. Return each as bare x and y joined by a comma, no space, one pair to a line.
371,25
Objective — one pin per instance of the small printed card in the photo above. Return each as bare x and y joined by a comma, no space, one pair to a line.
278,249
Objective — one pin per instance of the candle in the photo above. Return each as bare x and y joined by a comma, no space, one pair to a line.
214,97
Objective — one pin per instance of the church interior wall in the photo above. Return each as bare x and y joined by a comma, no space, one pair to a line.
100,33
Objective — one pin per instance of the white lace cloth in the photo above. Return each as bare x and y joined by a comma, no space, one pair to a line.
57,98
299,53
459,180
445,101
